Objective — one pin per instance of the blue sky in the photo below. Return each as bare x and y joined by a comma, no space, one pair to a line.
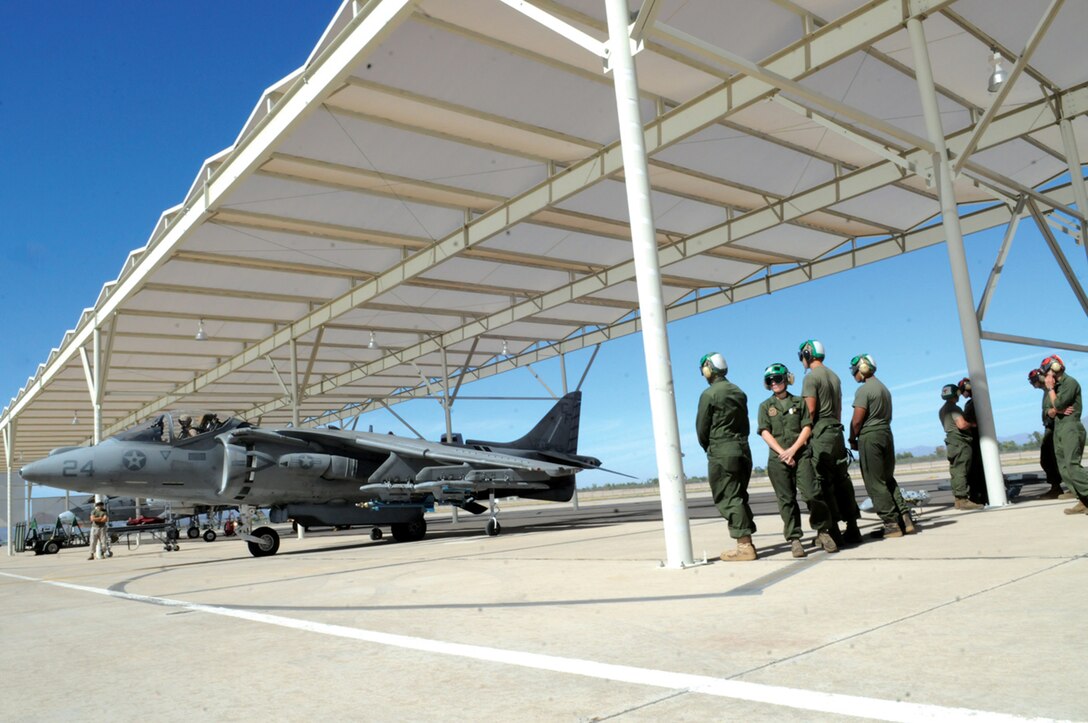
107,110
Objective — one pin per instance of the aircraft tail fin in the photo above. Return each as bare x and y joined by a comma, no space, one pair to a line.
557,431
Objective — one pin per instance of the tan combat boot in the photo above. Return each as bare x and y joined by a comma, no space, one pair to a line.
1067,496
824,540
796,548
962,503
887,531
1077,509
908,523
745,551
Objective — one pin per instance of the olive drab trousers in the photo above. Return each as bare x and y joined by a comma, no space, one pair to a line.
729,468
831,463
1068,448
960,456
876,449
787,483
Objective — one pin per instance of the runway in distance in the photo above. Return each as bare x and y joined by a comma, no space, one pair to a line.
323,476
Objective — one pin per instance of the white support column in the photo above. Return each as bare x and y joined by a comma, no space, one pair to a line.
1002,255
294,384
9,439
655,341
1076,175
957,258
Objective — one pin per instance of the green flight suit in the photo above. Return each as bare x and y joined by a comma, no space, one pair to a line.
784,419
1069,436
1048,459
722,427
876,450
830,460
960,452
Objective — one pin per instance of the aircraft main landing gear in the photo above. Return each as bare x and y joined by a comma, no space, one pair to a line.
493,527
263,541
193,532
411,531
209,535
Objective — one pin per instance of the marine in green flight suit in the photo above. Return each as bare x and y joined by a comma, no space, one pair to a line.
722,427
784,423
958,445
822,392
1065,396
1047,458
871,435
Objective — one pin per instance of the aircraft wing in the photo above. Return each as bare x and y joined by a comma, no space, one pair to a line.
421,449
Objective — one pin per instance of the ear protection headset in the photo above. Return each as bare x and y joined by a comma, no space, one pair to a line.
1052,363
809,350
965,385
712,365
1033,376
863,364
950,391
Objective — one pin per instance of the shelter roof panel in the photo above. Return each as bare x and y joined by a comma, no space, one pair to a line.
309,201
716,271
628,291
465,71
562,244
349,328
898,208
797,241
194,303
426,299
339,139
518,279
735,156
537,330
1063,58
1021,161
197,270
961,63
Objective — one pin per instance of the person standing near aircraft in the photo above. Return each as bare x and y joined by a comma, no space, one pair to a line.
871,435
786,426
100,521
976,477
822,393
957,443
1047,460
1065,398
722,427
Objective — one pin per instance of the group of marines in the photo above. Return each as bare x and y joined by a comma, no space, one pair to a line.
807,455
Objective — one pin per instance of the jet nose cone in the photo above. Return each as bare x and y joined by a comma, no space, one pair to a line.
38,472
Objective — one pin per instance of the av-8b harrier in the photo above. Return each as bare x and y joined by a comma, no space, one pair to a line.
323,476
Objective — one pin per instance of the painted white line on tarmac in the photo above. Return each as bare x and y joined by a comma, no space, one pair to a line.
807,700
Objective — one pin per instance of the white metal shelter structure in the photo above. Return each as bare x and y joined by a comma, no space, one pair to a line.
443,192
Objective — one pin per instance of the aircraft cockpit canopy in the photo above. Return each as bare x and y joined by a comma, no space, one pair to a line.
178,426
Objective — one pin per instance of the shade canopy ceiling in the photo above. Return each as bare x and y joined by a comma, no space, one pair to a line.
444,178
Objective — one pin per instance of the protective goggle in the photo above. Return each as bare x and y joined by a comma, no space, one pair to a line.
774,379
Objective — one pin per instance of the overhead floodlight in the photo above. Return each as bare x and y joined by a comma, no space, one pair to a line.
75,417
998,76
505,348
201,335
373,343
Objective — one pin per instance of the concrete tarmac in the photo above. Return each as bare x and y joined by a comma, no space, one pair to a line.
565,616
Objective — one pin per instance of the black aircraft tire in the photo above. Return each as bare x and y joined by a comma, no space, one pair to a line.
209,535
376,533
51,548
269,545
493,527
193,533
412,531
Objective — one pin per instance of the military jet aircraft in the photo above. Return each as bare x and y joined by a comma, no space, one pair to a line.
323,476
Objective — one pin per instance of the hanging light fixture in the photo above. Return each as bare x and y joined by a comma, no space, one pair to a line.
998,75
373,343
201,335
75,417
505,348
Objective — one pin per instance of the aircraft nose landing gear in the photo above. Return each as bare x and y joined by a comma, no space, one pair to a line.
493,527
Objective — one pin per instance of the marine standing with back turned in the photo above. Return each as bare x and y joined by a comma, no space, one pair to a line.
958,446
822,392
871,435
722,427
1047,459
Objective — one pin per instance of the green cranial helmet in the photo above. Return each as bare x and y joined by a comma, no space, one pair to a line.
950,391
715,361
776,373
809,350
